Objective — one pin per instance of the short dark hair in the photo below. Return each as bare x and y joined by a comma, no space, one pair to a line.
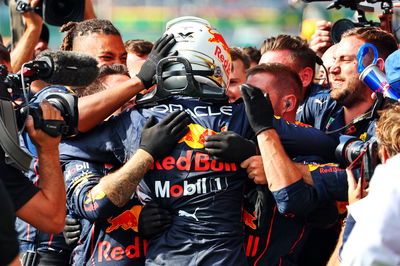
45,34
253,53
300,51
97,85
4,54
384,41
85,28
139,47
281,72
237,53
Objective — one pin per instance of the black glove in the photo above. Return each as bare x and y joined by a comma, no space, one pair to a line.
158,52
258,108
72,230
229,147
159,139
153,220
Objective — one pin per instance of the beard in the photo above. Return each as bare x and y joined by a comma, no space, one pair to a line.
349,94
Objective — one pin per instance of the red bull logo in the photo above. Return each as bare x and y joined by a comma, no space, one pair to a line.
107,251
224,58
126,220
217,37
249,219
196,136
202,162
332,167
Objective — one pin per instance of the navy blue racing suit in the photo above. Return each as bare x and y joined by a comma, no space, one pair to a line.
203,195
109,234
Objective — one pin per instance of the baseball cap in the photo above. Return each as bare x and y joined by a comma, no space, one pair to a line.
392,69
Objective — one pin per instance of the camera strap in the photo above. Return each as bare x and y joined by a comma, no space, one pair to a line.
9,141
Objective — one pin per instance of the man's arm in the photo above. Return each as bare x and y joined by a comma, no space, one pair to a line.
23,51
120,185
157,141
279,168
46,209
96,107
284,179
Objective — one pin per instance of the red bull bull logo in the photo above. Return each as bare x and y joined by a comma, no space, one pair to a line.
217,37
126,220
224,58
249,219
196,136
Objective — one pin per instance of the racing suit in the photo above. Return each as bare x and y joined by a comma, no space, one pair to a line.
109,234
203,195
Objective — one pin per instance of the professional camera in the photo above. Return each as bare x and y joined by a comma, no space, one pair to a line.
58,96
56,12
353,151
342,25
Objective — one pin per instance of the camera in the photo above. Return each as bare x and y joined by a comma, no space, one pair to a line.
58,96
353,151
342,25
56,12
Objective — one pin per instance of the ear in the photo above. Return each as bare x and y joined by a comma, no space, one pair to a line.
288,103
381,64
306,76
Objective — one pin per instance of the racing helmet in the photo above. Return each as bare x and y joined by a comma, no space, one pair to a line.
205,49
198,65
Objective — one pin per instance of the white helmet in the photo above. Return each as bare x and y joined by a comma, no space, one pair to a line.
205,49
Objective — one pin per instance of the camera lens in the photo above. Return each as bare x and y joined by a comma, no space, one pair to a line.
339,27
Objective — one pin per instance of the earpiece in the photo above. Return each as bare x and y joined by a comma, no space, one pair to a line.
318,60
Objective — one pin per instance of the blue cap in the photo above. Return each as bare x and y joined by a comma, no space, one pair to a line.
392,69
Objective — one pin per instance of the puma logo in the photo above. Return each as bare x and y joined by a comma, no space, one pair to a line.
318,101
186,214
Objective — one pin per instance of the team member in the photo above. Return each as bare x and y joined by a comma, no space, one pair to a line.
200,192
353,100
240,63
102,198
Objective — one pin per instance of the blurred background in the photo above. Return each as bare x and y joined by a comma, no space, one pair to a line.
241,22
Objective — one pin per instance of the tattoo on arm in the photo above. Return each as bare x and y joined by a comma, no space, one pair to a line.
120,185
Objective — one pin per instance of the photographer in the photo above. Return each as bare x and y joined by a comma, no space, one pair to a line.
374,240
42,206
24,49
32,203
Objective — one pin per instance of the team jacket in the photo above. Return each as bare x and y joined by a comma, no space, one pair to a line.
204,195
109,233
330,179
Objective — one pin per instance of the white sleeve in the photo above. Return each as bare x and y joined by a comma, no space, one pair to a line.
375,238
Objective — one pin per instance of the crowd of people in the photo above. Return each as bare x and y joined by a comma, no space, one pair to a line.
193,152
